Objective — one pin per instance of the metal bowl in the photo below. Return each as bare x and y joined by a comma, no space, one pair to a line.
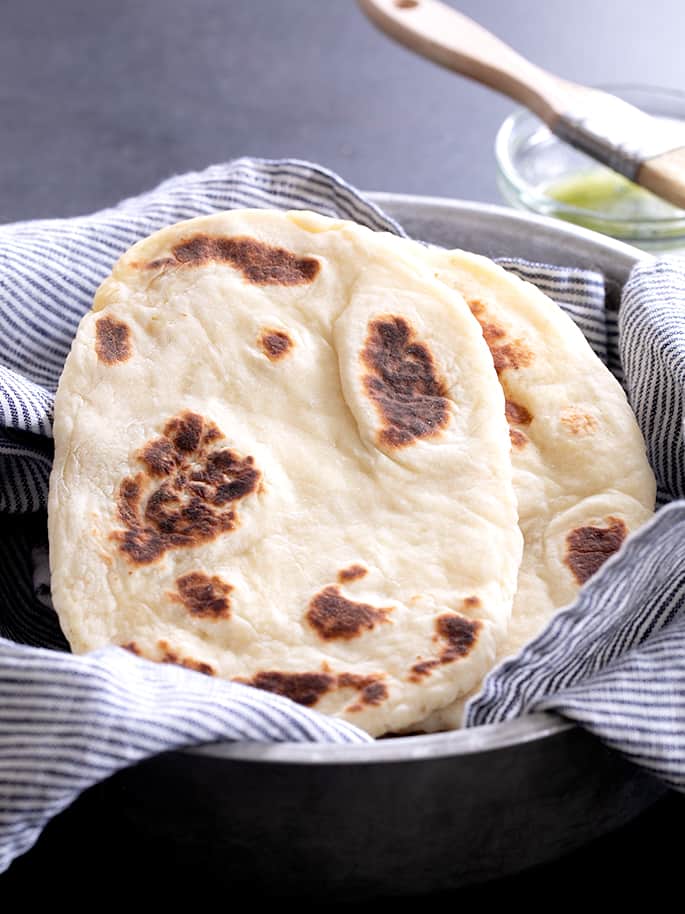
404,815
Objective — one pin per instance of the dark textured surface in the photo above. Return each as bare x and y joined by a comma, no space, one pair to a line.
344,832
99,100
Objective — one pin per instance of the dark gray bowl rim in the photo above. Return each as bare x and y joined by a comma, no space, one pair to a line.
489,737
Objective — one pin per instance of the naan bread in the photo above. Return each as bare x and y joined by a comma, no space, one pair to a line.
281,457
581,476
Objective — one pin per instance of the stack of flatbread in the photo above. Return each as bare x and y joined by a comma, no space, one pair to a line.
331,463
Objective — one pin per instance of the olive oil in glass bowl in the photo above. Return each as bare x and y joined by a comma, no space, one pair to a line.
540,173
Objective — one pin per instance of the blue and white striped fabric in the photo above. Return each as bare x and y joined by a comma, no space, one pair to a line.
613,661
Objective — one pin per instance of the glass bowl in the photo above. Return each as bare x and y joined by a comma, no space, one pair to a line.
540,173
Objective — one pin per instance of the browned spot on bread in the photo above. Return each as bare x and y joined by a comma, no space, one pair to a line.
308,688
133,648
204,596
422,669
578,422
129,498
260,263
460,634
471,602
351,573
112,340
587,548
196,500
334,616
171,655
409,396
518,439
375,693
517,414
275,344
199,666
373,690
185,431
160,457
304,688
506,352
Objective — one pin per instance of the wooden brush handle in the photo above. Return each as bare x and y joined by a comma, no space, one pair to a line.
451,39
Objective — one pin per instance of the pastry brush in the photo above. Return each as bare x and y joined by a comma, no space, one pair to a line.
647,150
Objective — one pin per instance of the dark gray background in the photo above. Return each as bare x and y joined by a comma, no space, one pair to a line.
100,100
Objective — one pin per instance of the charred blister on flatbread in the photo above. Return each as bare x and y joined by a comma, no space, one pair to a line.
403,383
372,690
260,263
275,344
173,655
333,616
517,438
308,688
112,340
507,352
353,572
304,688
588,548
423,668
516,413
187,493
457,634
132,647
203,595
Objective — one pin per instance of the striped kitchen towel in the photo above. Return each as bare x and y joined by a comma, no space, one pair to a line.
613,661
